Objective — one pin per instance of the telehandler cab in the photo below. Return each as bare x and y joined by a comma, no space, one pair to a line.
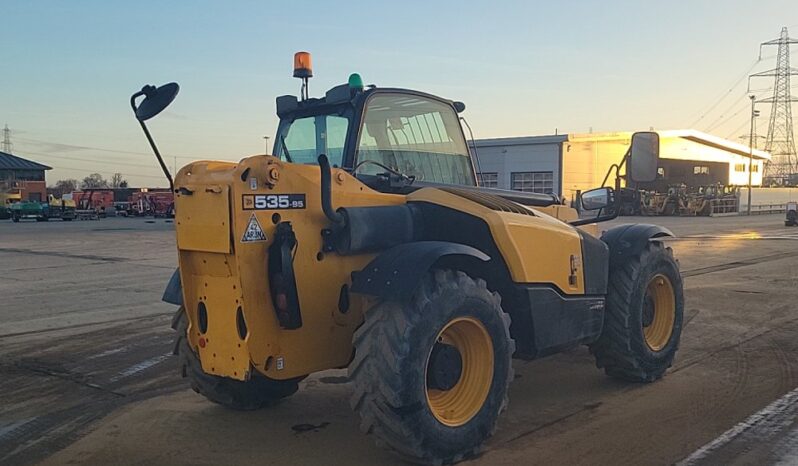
365,242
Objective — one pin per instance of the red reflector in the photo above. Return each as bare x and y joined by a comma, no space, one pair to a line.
202,342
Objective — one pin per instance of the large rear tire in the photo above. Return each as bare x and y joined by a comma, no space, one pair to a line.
430,377
643,320
255,393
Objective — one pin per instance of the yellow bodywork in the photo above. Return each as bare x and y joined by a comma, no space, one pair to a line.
56,202
218,269
9,198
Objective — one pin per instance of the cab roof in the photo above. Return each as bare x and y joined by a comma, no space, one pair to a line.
342,95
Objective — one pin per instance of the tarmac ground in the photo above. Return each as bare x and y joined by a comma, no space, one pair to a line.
87,376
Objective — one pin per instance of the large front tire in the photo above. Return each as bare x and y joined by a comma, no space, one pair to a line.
255,393
643,320
430,377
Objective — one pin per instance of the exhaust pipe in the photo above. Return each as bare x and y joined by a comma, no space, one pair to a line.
326,192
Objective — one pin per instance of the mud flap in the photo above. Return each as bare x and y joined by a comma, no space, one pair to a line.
173,294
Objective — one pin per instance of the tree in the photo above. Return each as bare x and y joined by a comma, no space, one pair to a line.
117,181
95,180
62,187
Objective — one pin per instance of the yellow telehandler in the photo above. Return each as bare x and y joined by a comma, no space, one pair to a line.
364,242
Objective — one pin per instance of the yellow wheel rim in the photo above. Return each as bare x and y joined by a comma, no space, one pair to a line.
456,406
659,312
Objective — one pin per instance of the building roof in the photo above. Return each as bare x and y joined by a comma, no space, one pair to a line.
12,162
521,141
716,142
689,134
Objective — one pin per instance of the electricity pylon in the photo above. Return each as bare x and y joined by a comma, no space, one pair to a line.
780,140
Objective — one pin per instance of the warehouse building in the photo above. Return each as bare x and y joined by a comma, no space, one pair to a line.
568,163
22,179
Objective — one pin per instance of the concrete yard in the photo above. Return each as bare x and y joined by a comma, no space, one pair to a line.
87,377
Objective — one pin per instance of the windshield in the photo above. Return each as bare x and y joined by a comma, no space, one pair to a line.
302,140
417,136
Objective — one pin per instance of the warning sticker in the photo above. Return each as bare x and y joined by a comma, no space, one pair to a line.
254,232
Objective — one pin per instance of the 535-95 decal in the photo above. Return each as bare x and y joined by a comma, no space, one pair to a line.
273,201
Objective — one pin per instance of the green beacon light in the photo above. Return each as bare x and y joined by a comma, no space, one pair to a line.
355,81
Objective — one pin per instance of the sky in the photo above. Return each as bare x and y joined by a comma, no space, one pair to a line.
522,68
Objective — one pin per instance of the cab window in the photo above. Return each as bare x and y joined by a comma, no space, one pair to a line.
417,136
304,139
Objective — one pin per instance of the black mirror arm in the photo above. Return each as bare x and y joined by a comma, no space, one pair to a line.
145,91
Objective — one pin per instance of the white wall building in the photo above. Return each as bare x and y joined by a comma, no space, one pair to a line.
565,164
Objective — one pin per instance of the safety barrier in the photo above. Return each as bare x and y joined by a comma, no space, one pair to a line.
724,207
762,209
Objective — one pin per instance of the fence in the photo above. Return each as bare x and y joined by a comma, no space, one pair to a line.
724,207
761,209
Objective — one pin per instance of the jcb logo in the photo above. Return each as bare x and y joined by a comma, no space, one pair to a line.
273,201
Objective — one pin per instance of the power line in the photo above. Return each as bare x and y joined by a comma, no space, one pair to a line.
743,125
123,174
723,115
107,162
723,96
102,149
84,170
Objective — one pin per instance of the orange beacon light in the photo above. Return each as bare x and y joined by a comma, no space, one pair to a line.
303,66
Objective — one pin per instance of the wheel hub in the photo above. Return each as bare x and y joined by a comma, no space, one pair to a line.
659,312
445,367
459,371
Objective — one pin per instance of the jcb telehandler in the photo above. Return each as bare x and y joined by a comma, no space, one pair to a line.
364,241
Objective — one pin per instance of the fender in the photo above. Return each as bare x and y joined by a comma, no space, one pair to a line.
397,272
173,294
628,240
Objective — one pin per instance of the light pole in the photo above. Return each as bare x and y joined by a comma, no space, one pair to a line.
267,143
754,114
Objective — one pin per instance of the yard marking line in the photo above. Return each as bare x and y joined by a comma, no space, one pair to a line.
136,368
109,352
737,264
767,422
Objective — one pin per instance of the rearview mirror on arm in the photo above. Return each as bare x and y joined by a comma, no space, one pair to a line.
599,199
596,199
643,157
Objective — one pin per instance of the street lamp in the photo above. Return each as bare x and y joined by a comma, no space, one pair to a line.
754,114
267,143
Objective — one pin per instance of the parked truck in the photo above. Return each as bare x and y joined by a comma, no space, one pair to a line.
6,199
43,211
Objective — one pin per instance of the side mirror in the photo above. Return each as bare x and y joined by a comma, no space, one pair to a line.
643,157
599,198
155,100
